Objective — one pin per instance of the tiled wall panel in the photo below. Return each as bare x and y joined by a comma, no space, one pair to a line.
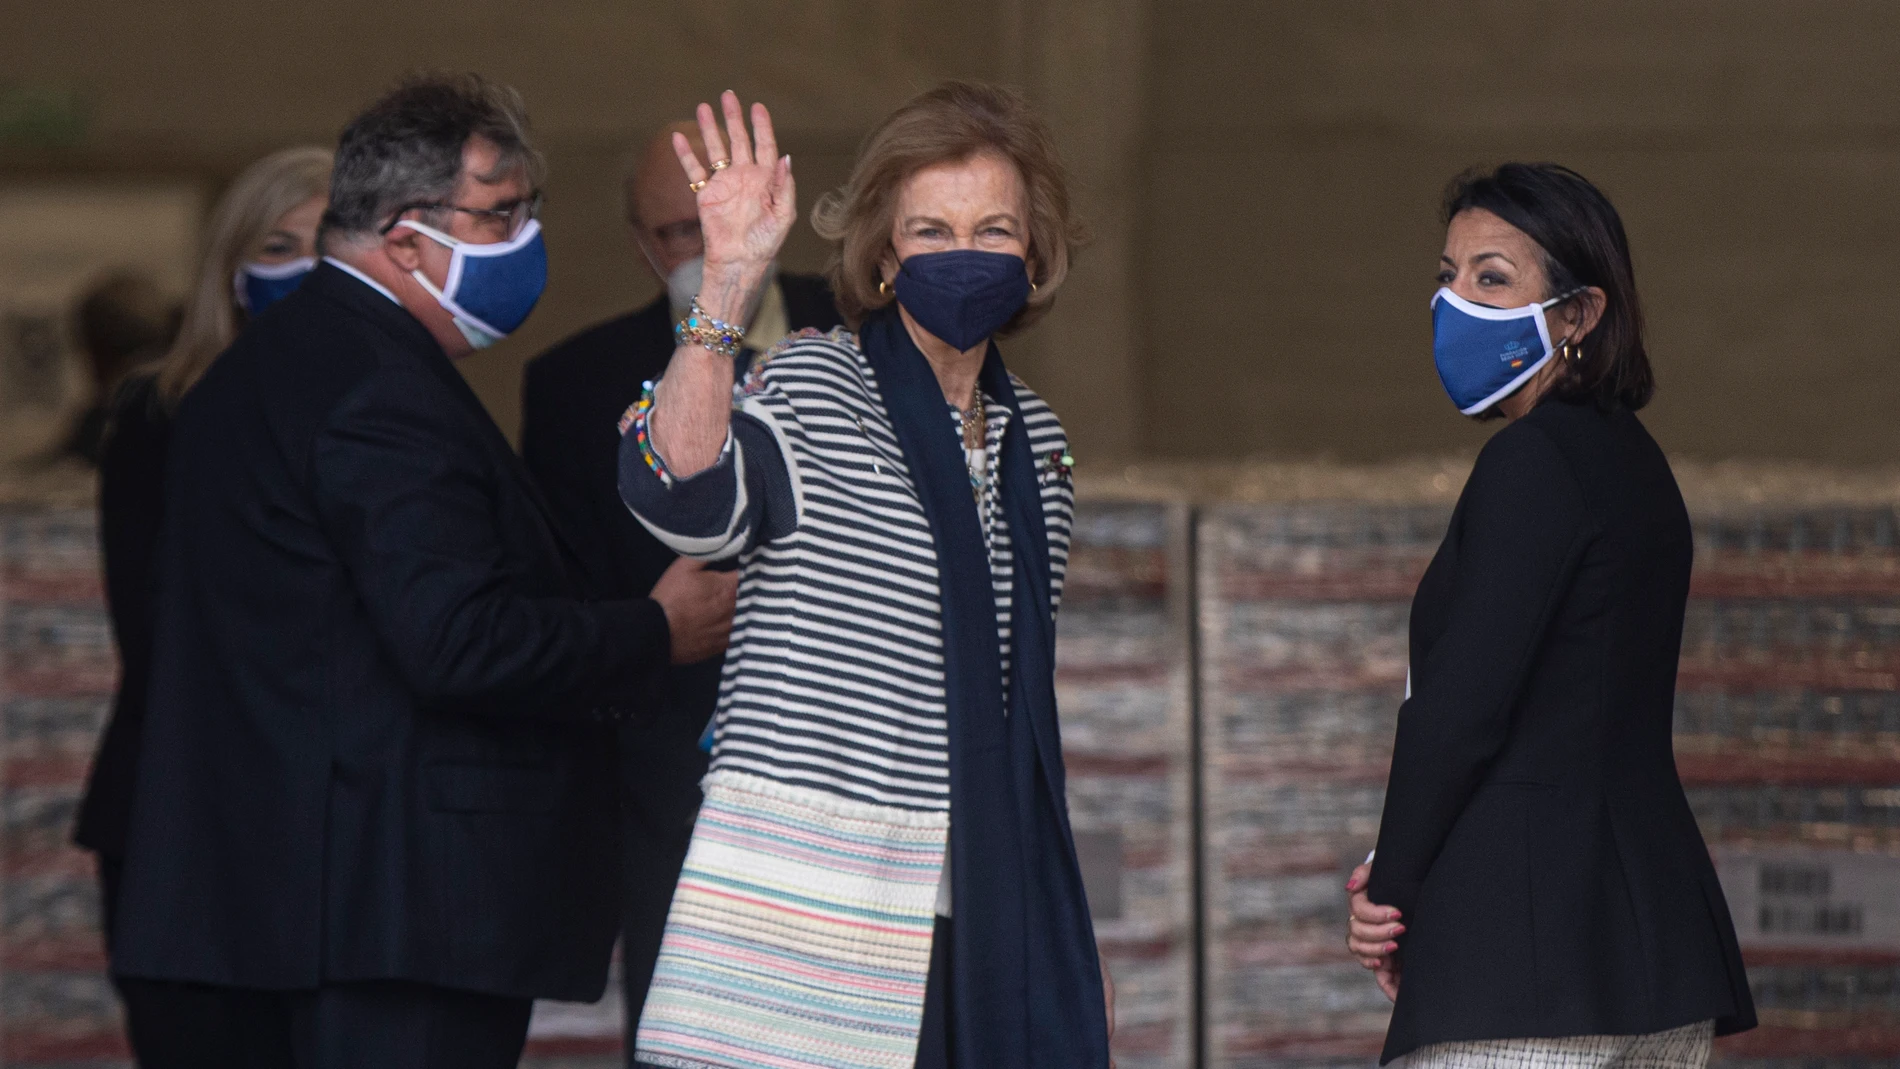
1788,738
1122,681
1303,625
57,671
1122,686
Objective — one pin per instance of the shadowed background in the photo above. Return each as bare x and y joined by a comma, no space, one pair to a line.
1262,176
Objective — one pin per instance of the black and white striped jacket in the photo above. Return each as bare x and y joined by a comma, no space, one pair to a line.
834,676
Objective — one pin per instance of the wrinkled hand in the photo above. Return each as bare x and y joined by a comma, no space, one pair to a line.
746,209
698,606
1370,933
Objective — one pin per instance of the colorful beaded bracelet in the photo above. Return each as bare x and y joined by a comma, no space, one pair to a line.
635,421
713,335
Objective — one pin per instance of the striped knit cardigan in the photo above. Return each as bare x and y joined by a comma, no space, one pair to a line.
800,931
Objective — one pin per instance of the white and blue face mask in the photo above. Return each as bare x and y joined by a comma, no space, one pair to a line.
1484,354
258,286
490,289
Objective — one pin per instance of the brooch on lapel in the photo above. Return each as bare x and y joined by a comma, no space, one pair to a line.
1058,467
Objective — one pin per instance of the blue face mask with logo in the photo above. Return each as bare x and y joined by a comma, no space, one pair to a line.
258,286
963,295
1483,353
490,289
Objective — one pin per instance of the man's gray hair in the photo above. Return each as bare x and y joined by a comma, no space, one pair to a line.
406,149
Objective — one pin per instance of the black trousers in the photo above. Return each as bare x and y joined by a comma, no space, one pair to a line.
933,1039
660,769
379,1024
169,1024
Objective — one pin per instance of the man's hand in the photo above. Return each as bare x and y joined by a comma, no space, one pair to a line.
1370,933
698,607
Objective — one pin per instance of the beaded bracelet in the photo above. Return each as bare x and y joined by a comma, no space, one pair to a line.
637,420
713,335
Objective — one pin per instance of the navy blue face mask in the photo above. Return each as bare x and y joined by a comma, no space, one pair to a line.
1484,354
963,295
258,286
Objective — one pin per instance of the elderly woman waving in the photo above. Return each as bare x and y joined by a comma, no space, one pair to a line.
899,507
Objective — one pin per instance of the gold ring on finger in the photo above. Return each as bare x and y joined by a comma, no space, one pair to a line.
697,186
720,165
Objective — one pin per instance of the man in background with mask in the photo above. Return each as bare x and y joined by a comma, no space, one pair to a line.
571,407
376,810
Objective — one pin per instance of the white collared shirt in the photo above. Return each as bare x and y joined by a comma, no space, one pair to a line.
363,278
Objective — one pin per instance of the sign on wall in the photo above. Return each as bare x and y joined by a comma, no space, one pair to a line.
1812,899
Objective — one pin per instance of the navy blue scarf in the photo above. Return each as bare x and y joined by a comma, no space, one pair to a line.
1026,987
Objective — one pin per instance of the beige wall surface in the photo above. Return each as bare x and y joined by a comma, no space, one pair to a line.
199,87
1262,176
1297,152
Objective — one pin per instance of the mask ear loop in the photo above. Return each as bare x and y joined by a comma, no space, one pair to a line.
1571,356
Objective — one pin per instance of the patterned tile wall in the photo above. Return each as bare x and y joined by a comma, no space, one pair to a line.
1122,685
1303,622
1788,737
1123,688
57,671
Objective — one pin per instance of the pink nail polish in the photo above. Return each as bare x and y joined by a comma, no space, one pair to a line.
1390,947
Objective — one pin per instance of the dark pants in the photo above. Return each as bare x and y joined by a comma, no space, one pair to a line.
172,1024
660,769
369,1025
933,1039
379,1024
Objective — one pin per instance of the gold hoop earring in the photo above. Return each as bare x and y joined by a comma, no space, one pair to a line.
1033,287
883,288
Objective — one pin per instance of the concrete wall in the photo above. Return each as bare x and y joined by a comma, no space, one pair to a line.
196,89
1296,154
1263,176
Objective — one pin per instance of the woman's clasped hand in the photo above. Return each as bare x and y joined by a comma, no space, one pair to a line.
1371,933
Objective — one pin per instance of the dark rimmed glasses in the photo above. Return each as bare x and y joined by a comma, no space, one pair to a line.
513,215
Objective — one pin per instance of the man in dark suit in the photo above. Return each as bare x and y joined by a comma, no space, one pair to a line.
375,809
572,402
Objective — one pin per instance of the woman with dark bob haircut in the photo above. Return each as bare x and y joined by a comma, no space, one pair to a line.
1540,884
885,753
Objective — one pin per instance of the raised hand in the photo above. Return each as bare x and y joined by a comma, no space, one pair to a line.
747,202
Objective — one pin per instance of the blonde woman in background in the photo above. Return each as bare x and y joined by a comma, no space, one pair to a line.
261,242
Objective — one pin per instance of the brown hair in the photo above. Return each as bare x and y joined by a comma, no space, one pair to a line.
260,196
955,121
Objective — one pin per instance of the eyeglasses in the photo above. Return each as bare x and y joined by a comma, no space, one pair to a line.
515,214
